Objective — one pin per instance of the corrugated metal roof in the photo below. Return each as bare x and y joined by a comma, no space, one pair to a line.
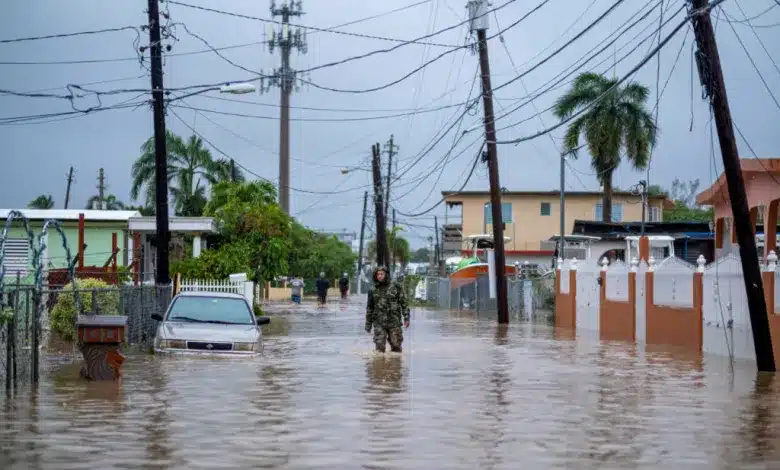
72,214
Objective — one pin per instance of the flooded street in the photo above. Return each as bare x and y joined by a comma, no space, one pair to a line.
463,394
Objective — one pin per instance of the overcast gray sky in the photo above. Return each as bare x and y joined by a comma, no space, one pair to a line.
36,157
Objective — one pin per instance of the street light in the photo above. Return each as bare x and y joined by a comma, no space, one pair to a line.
237,88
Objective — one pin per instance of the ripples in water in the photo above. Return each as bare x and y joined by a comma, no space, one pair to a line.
463,394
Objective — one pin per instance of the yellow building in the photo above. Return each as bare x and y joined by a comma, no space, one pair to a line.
532,217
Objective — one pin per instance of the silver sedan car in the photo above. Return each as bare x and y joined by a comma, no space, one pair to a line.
209,323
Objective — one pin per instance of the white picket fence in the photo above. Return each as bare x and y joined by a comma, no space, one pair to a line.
245,288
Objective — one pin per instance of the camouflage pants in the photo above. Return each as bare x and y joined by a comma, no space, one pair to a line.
394,336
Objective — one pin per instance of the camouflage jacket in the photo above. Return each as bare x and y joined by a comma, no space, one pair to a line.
386,306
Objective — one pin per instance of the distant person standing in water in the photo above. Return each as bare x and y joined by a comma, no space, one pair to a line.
344,285
322,289
387,307
297,289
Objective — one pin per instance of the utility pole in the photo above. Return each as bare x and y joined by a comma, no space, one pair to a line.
391,151
711,76
162,275
360,246
562,239
382,251
284,78
479,23
101,189
438,247
392,248
67,189
233,173
643,188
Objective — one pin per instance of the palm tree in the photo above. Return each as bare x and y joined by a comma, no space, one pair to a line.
44,201
111,203
616,118
191,168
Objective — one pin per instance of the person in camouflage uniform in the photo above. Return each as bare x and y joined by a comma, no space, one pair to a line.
387,306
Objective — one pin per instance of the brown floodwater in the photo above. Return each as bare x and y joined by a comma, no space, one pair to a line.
463,394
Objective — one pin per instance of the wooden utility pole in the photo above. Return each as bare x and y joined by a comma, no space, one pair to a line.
479,23
437,246
233,173
101,189
362,235
67,189
711,77
392,248
162,274
382,251
391,150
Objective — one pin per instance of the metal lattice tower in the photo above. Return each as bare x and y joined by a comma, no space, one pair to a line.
285,39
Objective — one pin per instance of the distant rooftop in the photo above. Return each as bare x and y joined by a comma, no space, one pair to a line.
73,214
546,193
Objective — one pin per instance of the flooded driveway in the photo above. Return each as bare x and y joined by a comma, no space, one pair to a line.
463,394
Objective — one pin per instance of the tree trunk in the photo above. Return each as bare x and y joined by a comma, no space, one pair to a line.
606,201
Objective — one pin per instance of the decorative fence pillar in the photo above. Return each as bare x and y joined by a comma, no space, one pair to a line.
617,312
99,339
566,302
672,324
769,281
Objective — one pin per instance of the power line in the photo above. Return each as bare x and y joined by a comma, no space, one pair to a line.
274,118
618,83
314,28
70,35
473,167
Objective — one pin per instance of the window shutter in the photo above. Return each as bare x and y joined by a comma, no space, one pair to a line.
17,257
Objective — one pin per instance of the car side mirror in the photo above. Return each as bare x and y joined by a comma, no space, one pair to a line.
263,320
157,316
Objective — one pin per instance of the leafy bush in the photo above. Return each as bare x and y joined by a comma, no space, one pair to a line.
64,313
257,309
6,315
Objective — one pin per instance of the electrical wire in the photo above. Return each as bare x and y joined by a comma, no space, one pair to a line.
617,83
753,62
473,167
70,35
571,70
314,28
274,118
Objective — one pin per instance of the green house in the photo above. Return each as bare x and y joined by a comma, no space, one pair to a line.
101,229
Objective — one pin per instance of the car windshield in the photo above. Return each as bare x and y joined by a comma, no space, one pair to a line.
211,310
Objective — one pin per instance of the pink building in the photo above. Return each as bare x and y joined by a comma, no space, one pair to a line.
762,185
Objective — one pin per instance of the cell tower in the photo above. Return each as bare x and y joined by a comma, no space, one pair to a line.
285,39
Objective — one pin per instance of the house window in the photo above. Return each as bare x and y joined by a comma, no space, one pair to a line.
544,208
653,214
617,212
17,256
506,213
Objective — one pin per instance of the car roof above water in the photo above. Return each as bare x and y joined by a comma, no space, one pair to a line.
221,295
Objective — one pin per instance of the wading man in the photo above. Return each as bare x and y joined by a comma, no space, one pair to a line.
387,308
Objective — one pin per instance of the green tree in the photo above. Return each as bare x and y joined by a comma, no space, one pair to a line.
44,201
191,168
111,201
399,247
146,211
616,119
421,255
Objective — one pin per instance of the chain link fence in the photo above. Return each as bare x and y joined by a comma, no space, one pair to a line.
21,333
531,298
